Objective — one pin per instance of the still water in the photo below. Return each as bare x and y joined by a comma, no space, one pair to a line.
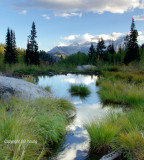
76,142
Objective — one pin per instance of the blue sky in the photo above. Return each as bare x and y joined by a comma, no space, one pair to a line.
62,22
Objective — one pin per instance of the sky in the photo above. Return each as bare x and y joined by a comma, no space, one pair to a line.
63,22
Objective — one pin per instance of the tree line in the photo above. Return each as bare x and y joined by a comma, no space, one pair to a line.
129,54
31,56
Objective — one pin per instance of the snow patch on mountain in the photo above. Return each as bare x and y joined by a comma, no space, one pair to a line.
84,47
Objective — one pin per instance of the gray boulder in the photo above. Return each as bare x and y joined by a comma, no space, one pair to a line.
85,67
20,88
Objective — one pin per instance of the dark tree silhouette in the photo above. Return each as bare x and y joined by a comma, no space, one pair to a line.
132,53
32,54
10,48
92,54
14,49
100,48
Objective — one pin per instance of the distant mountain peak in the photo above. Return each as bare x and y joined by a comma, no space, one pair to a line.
84,47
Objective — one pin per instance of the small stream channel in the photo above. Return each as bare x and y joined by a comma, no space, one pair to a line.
76,143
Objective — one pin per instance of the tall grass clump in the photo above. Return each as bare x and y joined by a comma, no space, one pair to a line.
118,131
80,90
102,134
121,91
28,130
126,88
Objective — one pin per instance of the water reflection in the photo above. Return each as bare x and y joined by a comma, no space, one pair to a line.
76,142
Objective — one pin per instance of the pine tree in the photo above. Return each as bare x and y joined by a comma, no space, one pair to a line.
100,48
32,54
110,49
27,56
111,52
132,53
13,46
92,54
7,57
10,48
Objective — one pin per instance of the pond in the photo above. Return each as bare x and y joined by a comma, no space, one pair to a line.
76,143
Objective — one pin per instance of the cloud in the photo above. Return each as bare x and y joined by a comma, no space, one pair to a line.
141,38
80,39
71,37
24,12
67,15
139,18
142,4
91,38
62,44
99,6
46,16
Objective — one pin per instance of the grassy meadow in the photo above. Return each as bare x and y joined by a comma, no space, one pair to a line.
124,131
38,125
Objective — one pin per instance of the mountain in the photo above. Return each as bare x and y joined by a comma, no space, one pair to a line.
83,47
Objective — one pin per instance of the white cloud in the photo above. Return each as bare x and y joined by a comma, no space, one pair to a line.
46,16
62,44
112,36
139,17
71,37
99,6
24,12
67,15
92,38
142,4
141,38
80,39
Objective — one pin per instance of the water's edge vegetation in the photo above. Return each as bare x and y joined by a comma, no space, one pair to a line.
29,130
79,90
124,131
44,120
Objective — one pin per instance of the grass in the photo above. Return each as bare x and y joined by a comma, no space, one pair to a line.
40,123
80,90
118,90
33,69
102,134
120,131
29,79
47,88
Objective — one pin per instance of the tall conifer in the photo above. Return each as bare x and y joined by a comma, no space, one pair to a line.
32,54
132,53
92,54
100,48
10,48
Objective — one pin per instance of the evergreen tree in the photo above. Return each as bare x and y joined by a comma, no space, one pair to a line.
92,54
32,54
7,58
120,49
10,48
100,48
28,53
111,52
132,53
14,49
110,49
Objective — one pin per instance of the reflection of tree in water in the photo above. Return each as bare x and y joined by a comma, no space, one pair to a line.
36,79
